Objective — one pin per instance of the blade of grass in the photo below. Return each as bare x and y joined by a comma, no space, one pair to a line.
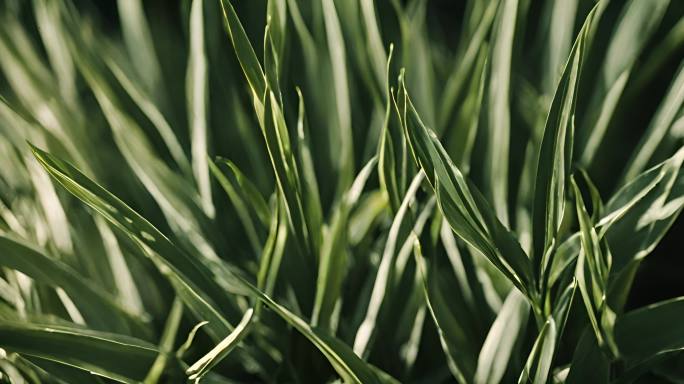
496,116
508,327
333,262
468,213
99,309
202,366
555,156
243,49
663,121
538,363
191,279
385,271
197,91
138,39
636,24
460,359
345,145
116,357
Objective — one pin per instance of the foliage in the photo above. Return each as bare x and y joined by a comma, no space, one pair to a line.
309,191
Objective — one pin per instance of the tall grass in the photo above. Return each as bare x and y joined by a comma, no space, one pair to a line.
315,191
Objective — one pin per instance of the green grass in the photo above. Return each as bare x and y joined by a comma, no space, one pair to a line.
360,191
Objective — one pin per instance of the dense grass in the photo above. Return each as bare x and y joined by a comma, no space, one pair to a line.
338,190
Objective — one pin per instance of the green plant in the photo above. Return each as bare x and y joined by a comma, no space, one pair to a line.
421,211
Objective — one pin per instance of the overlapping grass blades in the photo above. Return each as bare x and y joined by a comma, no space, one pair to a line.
367,192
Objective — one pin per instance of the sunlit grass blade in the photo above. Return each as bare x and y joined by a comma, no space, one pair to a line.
557,37
496,114
196,84
191,279
333,262
635,26
538,364
345,148
51,29
505,332
176,196
468,213
275,132
222,349
153,113
555,156
665,119
305,158
596,260
138,39
385,270
374,42
642,211
243,49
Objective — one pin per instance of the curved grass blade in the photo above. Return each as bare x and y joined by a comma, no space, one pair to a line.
202,366
555,156
594,285
347,364
116,357
648,331
192,280
651,211
538,364
100,311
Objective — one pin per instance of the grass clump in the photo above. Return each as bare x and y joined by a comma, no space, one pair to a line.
317,191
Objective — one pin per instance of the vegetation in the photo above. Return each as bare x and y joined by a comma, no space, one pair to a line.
226,191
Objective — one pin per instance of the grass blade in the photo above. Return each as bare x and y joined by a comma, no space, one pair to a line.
197,91
502,337
637,23
468,213
116,357
222,349
496,116
100,311
555,156
538,363
194,284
